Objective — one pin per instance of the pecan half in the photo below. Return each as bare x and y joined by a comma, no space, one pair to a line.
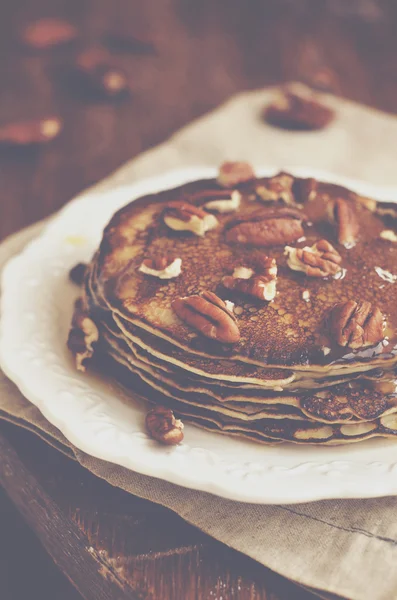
298,107
233,173
260,285
321,260
356,325
162,267
163,427
182,216
266,227
209,315
77,273
82,336
343,214
98,72
276,188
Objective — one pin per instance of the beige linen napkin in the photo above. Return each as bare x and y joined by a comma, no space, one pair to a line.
346,548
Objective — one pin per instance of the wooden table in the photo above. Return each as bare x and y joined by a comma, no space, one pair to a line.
108,543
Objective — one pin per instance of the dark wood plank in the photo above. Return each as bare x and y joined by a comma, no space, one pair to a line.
112,545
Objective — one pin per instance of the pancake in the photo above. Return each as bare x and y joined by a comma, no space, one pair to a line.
263,308
286,332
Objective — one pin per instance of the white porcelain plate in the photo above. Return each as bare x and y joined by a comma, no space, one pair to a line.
101,420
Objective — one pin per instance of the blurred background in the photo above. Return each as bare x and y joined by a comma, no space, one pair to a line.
180,59
89,84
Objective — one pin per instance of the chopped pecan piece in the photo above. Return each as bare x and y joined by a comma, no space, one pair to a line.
209,315
82,336
182,216
343,214
356,325
77,273
98,72
321,260
163,427
224,203
233,173
298,107
278,187
260,285
266,227
162,267
306,189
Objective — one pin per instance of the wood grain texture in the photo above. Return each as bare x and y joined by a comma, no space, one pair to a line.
114,546
187,57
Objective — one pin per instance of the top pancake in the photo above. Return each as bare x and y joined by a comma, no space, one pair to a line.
287,331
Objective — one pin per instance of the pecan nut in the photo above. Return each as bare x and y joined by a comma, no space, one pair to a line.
226,203
233,173
306,190
266,227
182,216
321,260
277,188
209,315
356,325
100,74
77,273
343,214
260,285
218,200
298,107
163,427
82,336
161,267
29,133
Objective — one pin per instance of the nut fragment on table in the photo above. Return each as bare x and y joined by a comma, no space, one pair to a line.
277,188
209,315
266,227
233,173
182,216
356,325
163,427
30,132
260,285
297,107
161,267
319,260
47,33
342,213
100,73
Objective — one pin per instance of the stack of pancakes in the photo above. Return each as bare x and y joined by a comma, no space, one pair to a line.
264,308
